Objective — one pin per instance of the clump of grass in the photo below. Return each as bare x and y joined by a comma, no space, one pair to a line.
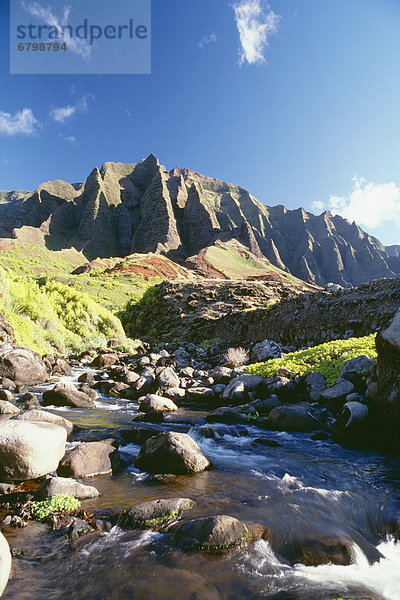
327,359
236,357
57,503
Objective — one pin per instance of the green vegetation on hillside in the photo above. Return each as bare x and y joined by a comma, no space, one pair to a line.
327,359
55,315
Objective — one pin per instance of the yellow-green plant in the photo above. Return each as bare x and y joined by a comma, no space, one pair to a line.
327,359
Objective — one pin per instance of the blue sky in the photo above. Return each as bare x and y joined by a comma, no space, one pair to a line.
299,104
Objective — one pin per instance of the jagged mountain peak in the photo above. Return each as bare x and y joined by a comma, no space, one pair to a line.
141,206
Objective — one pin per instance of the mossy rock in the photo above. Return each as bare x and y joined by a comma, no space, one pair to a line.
212,534
155,514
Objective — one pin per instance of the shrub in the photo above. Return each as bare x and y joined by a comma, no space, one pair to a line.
58,503
327,359
236,357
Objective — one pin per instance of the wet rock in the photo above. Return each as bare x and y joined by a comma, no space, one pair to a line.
175,453
87,377
150,417
79,530
83,387
264,407
212,534
226,414
293,418
62,485
86,460
320,436
265,442
6,408
46,417
154,514
29,450
320,550
350,427
23,366
66,394
139,435
29,401
5,563
61,366
158,404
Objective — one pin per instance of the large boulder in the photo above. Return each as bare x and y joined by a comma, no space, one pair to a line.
29,450
66,394
175,453
86,460
5,563
334,396
46,417
23,366
154,514
237,391
6,408
350,426
293,418
386,396
212,534
70,487
154,403
355,368
265,350
314,383
167,378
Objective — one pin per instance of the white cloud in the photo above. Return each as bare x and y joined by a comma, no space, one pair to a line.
71,139
369,204
78,46
62,113
255,26
128,113
207,39
6,161
23,122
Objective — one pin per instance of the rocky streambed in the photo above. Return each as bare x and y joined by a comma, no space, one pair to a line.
197,501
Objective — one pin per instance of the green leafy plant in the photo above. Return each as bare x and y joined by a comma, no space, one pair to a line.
327,359
58,503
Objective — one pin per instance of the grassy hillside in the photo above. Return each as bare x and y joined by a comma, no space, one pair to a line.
55,316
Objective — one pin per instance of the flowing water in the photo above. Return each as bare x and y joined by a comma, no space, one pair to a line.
301,490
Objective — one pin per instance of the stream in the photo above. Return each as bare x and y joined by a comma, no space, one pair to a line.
301,489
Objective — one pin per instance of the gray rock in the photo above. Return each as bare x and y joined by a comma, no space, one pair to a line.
212,534
6,408
154,403
221,374
6,395
175,393
66,394
200,394
338,392
265,350
29,450
264,407
86,460
29,401
167,378
46,417
5,563
315,383
293,418
349,427
71,487
23,366
355,366
175,453
154,514
226,414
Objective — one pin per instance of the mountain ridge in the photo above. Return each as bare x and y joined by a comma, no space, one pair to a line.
142,207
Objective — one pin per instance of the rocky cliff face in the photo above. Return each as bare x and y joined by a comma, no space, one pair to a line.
142,207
